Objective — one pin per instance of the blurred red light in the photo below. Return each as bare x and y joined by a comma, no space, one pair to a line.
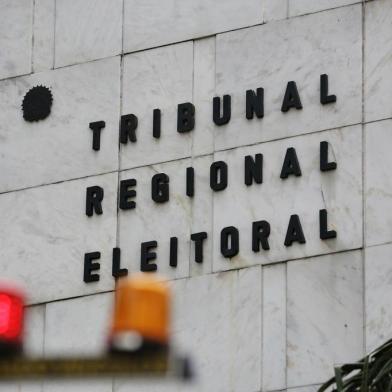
11,317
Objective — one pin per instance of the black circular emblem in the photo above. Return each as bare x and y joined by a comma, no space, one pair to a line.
37,103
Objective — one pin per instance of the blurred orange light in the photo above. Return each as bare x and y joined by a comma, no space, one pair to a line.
142,308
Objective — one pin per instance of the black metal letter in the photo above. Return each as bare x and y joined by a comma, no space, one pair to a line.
324,97
294,231
198,238
173,251
117,271
160,188
324,164
290,164
255,103
260,233
128,125
218,176
96,127
230,244
146,256
253,169
325,234
185,117
156,123
291,98
89,266
94,197
126,193
226,115
190,181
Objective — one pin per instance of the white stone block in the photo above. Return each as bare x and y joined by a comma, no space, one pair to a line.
378,276
325,316
87,385
274,328
45,234
43,43
34,331
378,160
78,327
308,388
146,24
275,9
33,342
31,386
157,79
152,221
300,50
87,30
16,19
218,322
202,216
300,7
60,147
148,384
9,386
378,60
275,200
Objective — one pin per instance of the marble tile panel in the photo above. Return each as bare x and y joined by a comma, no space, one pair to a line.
60,147
308,388
275,200
300,50
157,385
378,59
378,192
301,7
161,79
45,234
146,23
34,331
218,321
152,221
325,316
203,90
179,217
16,20
274,327
43,43
87,30
33,343
78,326
31,386
9,386
86,385
378,280
202,216
275,9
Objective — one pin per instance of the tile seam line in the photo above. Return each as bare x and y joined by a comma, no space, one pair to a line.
212,153
363,182
233,270
32,52
54,34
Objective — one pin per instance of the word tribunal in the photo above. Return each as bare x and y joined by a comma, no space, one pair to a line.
186,112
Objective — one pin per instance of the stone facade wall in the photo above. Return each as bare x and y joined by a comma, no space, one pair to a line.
273,320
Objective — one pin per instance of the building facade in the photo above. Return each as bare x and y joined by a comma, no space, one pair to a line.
239,148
